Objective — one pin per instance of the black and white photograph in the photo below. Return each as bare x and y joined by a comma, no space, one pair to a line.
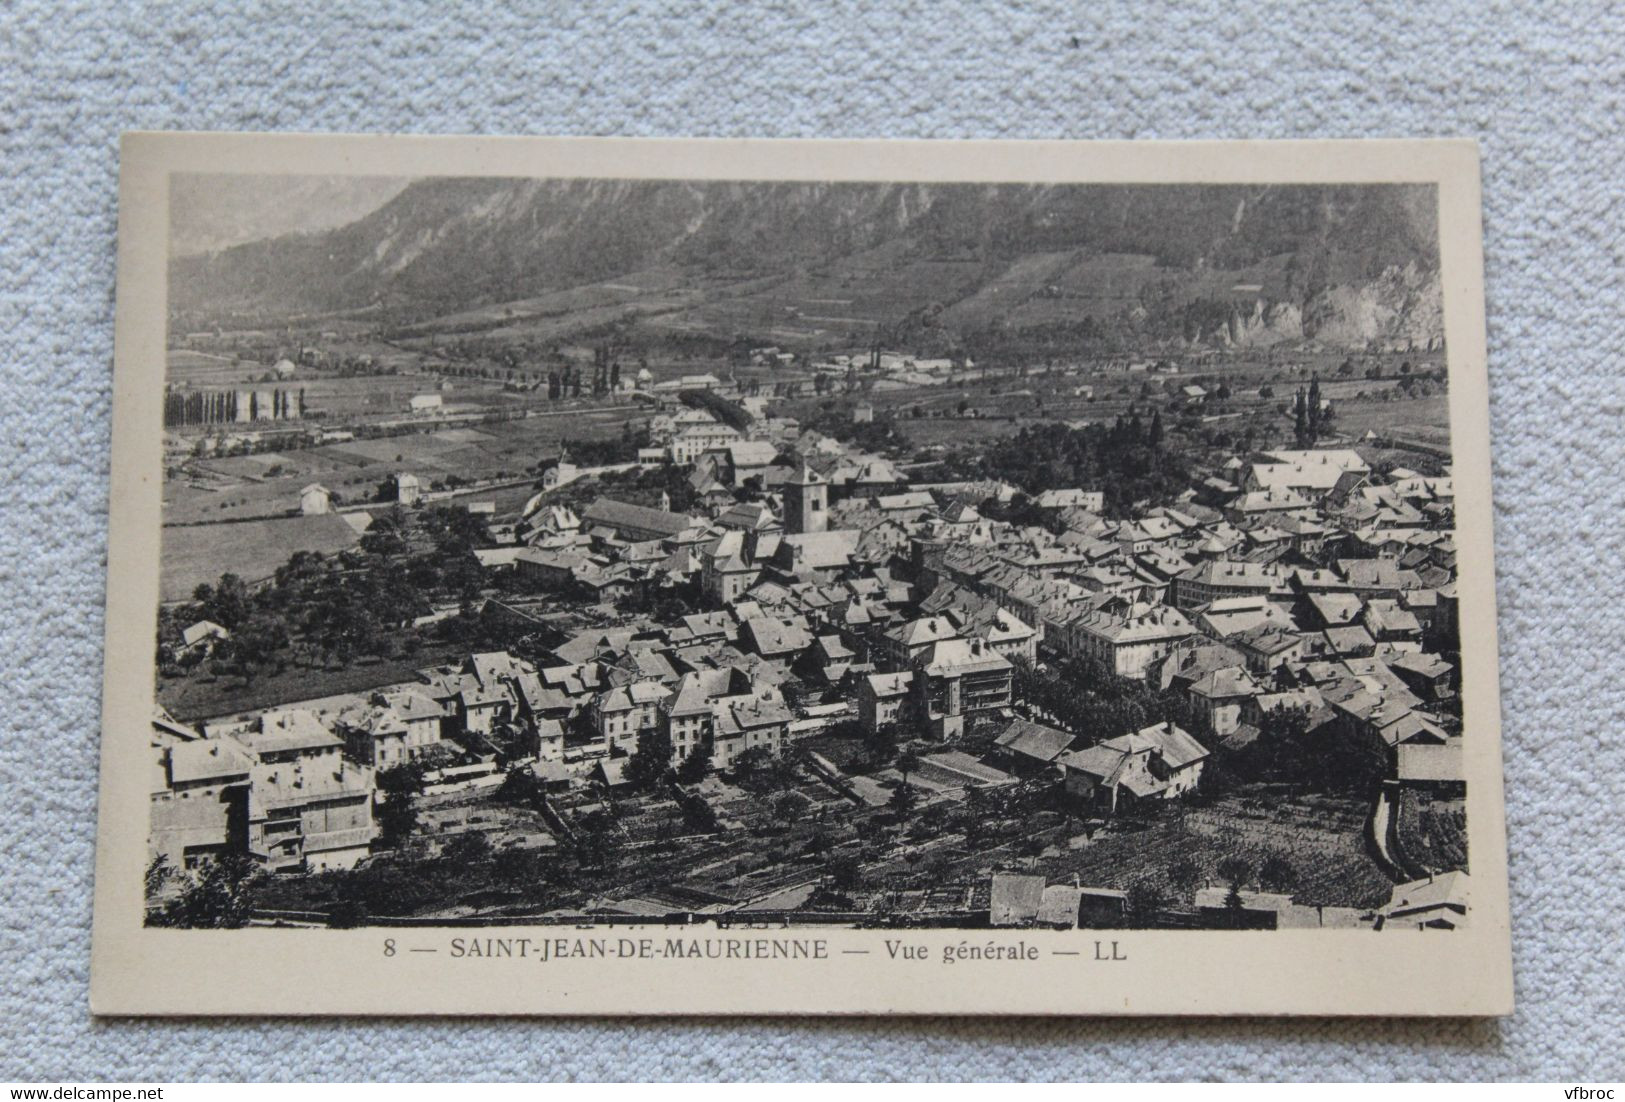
722,556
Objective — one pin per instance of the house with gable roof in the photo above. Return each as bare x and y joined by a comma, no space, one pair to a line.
1160,762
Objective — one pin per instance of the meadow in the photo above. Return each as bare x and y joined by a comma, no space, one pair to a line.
196,554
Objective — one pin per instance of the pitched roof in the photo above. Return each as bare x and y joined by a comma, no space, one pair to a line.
1349,639
1224,684
1450,889
819,550
956,657
203,629
289,729
751,453
885,685
913,500
748,516
632,695
1175,746
1067,498
1373,573
1015,899
1424,665
1336,608
1059,905
1138,623
207,759
1236,573
773,635
1034,740
927,629
610,513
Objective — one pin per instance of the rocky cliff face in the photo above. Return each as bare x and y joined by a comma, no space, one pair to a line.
1402,306
1261,325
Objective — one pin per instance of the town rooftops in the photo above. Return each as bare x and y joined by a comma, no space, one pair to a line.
702,625
805,475
1341,459
1233,573
1429,762
1173,746
1306,698
633,695
289,729
1234,615
1349,639
491,667
1312,475
1069,498
554,558
1387,617
1271,500
294,788
709,431
695,691
747,713
1193,658
1141,623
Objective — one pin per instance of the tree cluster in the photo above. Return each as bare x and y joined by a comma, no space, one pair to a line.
1105,709
1128,460
224,407
321,608
1309,420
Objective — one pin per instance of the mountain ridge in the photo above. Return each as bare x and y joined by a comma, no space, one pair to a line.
1345,264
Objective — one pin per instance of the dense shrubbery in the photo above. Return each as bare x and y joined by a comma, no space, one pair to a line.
1106,708
334,608
1127,461
729,412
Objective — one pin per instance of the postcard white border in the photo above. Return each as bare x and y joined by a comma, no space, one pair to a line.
137,970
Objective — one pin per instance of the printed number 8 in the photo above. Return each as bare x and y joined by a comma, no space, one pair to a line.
389,947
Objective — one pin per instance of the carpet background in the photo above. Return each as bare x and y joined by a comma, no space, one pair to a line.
1540,89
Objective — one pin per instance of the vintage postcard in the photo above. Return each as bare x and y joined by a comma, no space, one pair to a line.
665,577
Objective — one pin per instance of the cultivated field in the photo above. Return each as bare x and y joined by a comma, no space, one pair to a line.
268,484
201,694
1322,837
204,369
252,550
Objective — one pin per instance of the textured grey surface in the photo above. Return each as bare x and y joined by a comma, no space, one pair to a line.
1541,90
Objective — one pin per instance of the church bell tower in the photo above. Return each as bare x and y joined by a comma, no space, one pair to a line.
806,502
